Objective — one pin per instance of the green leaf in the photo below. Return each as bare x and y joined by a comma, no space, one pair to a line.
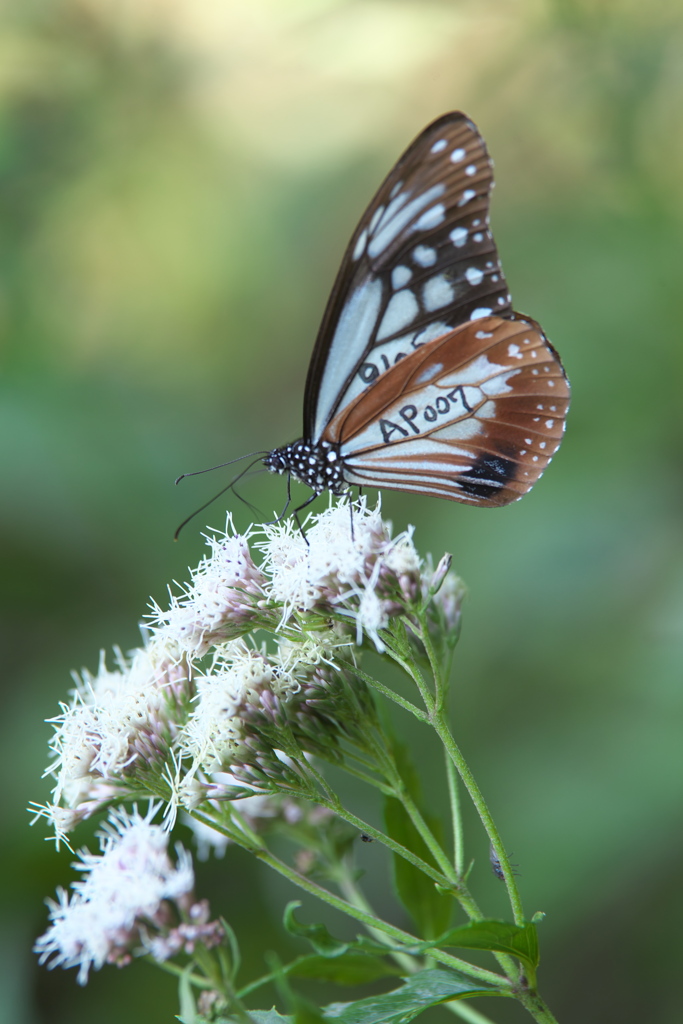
301,1010
500,936
188,1008
422,990
316,934
269,1017
430,909
348,969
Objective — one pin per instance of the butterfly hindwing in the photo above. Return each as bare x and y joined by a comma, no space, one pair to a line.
475,416
421,262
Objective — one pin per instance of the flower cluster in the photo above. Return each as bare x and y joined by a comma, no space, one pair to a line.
131,899
207,719
202,697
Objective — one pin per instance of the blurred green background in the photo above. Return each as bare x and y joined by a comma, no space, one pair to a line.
178,182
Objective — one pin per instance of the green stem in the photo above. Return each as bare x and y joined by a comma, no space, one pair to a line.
456,818
399,651
221,983
357,898
179,972
391,844
456,885
440,689
427,835
367,779
501,983
244,837
532,1002
460,1008
387,692
265,979
441,726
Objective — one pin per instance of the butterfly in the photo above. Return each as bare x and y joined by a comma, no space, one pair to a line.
422,377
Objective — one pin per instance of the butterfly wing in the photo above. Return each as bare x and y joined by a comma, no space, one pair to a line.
421,262
475,416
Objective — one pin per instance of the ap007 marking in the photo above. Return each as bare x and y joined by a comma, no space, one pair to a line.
422,269
444,404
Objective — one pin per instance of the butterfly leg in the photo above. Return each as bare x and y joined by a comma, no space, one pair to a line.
296,511
350,497
279,518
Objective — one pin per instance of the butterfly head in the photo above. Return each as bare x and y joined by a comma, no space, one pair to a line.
318,465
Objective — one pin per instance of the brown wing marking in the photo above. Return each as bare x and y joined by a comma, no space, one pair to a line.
489,456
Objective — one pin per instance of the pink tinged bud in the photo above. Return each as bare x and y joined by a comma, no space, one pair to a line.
449,599
440,573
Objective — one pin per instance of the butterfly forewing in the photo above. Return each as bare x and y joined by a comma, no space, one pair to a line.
421,262
475,416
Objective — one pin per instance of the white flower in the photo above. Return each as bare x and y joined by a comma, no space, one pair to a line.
297,659
122,889
240,678
114,717
371,616
221,599
332,556
346,553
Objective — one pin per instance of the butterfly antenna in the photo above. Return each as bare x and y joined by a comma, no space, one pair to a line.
228,487
221,465
252,508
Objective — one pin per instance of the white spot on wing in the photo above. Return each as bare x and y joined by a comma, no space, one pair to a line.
463,429
376,217
458,237
392,209
392,228
424,255
355,325
457,155
400,276
478,370
470,170
359,247
474,275
400,312
437,292
431,218
468,194
429,373
438,146
435,330
499,385
479,312
514,351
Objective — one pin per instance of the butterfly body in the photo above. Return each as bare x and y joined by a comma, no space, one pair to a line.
318,465
423,378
